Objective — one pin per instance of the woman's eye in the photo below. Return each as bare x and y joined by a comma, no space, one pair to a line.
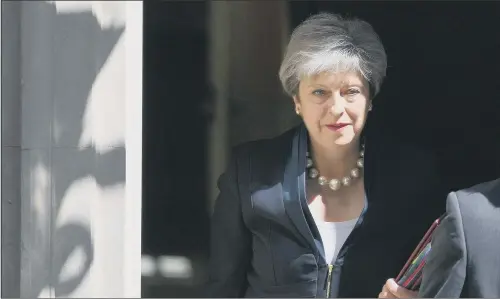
352,91
319,92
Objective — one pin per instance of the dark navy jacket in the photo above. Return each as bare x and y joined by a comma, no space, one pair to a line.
264,242
465,261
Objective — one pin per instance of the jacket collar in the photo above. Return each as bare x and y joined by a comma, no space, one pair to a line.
294,185
294,182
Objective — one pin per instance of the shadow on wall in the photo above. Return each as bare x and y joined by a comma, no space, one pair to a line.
73,154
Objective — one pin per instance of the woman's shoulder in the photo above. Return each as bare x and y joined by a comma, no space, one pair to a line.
401,148
404,160
266,147
267,156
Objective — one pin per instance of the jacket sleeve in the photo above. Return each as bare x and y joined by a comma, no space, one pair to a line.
444,272
230,240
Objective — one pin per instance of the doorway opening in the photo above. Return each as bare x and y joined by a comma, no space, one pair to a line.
440,92
176,95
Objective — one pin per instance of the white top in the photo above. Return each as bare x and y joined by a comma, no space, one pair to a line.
334,235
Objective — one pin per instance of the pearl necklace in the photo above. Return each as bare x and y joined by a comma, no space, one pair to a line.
335,184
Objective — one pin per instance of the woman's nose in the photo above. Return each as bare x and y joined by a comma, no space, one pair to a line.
337,107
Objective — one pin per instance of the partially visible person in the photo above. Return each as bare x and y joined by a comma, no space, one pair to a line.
464,261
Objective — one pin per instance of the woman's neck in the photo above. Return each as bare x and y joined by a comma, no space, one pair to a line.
335,162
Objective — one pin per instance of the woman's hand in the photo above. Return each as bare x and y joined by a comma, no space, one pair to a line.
392,290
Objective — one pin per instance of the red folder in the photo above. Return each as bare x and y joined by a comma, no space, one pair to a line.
410,276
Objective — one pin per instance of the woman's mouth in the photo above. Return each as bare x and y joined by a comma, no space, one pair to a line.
337,127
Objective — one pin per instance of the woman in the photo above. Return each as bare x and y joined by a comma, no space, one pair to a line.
323,210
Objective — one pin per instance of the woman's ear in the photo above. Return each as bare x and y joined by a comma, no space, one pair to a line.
296,102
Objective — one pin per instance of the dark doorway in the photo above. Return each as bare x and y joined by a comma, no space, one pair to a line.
442,86
441,92
175,204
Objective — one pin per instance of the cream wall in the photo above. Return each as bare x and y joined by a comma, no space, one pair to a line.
71,148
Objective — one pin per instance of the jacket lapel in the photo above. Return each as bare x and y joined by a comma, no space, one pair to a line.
294,190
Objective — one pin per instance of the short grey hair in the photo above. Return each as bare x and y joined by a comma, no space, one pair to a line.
331,43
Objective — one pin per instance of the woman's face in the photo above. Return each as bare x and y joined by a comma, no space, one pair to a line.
334,107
